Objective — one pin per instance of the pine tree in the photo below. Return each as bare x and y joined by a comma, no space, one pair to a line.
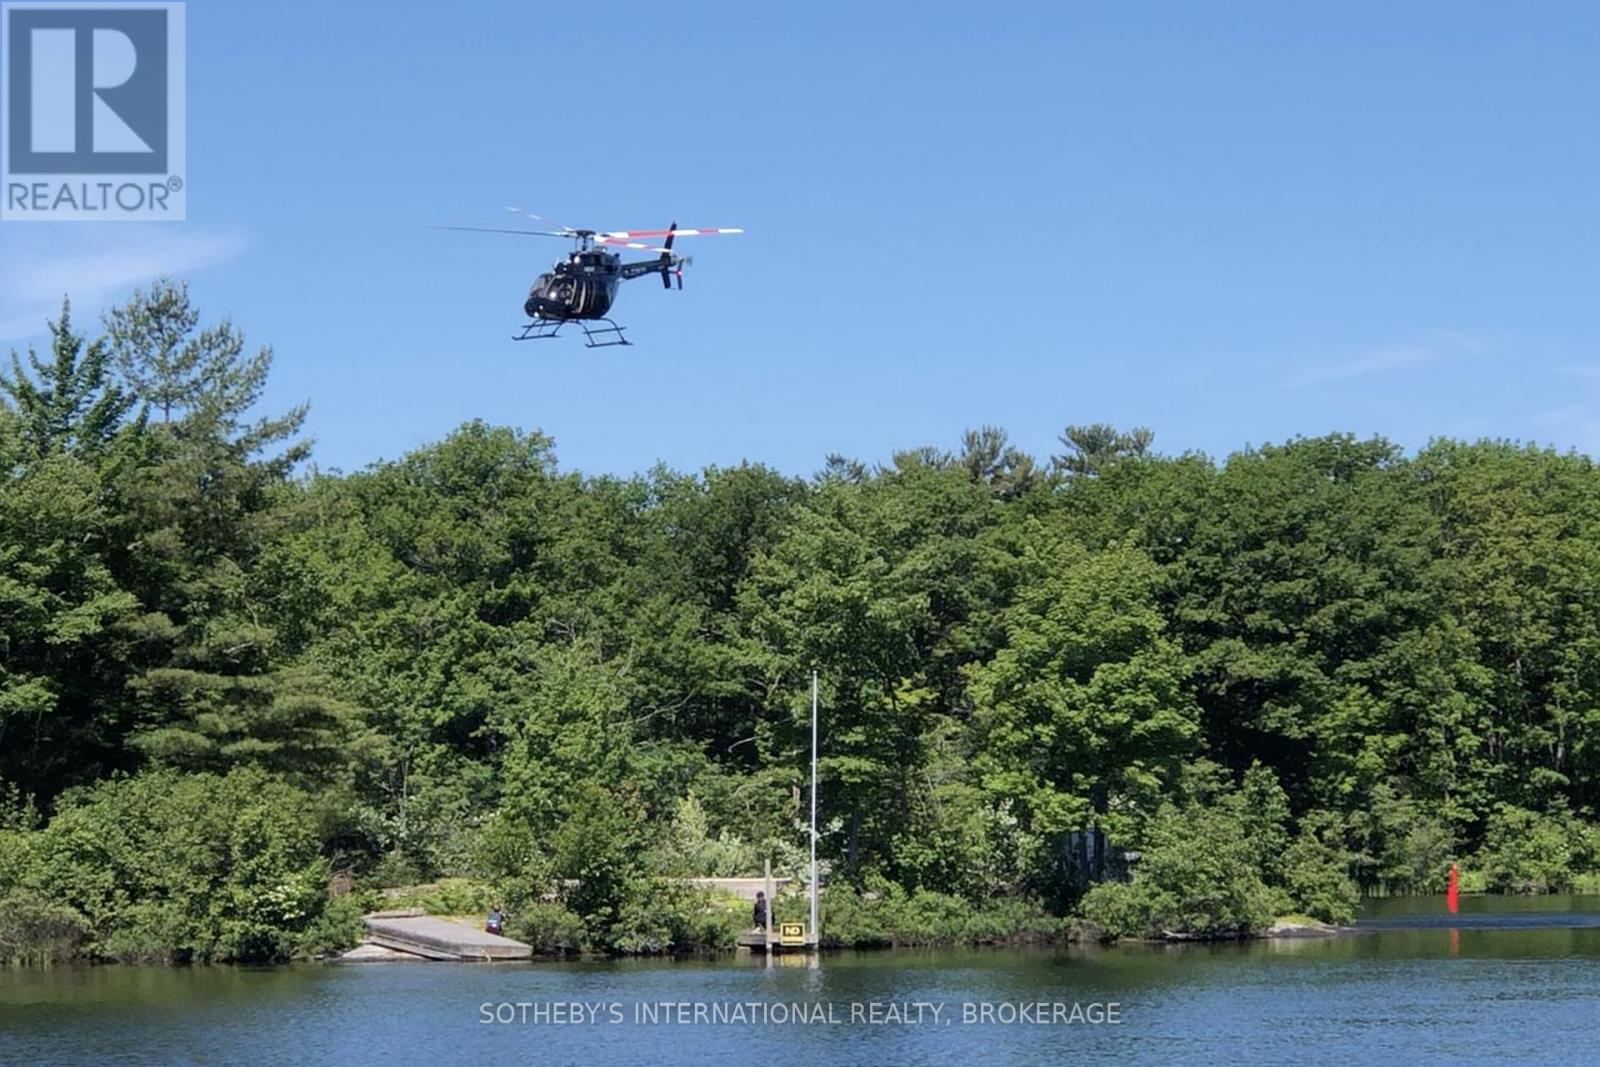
211,685
66,403
1090,448
60,687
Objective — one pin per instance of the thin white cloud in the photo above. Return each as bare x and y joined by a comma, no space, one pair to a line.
1383,359
37,270
1575,424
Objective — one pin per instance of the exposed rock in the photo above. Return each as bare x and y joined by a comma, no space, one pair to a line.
1300,929
367,952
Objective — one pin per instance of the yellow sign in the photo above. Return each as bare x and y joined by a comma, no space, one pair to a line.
792,933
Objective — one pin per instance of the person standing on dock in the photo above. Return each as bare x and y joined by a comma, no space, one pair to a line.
758,914
496,921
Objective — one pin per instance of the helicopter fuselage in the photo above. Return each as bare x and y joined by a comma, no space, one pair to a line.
582,286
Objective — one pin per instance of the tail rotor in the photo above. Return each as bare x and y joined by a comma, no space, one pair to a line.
668,260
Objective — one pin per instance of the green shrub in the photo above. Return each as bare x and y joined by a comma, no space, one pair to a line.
645,931
886,915
395,870
925,917
336,928
852,919
1225,864
1122,909
1403,845
670,917
597,856
19,858
35,930
189,867
706,920
551,929
1587,883
1528,852
1318,880
1419,859
1011,919
447,896
1196,877
693,850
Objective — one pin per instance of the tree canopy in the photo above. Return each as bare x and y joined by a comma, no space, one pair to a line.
469,660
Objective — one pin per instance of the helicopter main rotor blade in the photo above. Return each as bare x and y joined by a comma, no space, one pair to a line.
615,243
540,218
515,233
703,231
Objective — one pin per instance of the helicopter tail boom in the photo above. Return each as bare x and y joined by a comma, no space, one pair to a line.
668,265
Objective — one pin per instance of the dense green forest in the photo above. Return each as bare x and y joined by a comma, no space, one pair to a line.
238,694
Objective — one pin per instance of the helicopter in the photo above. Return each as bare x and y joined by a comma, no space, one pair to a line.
582,287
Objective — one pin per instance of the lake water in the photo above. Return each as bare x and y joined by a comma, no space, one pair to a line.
1507,980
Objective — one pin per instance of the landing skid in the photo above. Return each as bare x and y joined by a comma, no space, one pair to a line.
595,335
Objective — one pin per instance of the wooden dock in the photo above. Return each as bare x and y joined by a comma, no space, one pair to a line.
779,936
772,944
429,937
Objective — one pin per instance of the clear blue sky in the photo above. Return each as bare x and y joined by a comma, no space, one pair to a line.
1230,222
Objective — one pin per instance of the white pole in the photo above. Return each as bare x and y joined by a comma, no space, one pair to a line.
772,905
815,935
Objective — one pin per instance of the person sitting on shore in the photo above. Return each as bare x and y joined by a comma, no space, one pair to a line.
496,921
758,914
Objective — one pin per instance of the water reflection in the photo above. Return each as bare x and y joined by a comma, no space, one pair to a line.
1502,981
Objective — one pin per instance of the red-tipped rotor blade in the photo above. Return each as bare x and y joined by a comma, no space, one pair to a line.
702,231
616,243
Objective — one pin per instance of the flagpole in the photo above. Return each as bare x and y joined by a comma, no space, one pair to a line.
815,938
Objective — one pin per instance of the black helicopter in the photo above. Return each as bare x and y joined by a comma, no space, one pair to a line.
582,287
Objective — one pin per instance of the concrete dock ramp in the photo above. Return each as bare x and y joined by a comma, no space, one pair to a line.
433,938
